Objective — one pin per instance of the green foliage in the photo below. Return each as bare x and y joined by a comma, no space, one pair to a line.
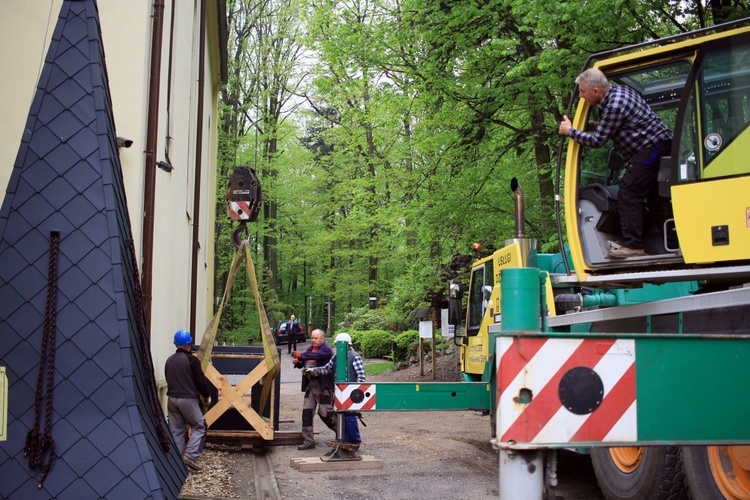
374,343
364,318
417,115
357,337
378,368
404,343
240,336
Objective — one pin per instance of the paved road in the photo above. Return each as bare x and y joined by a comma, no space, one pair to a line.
425,454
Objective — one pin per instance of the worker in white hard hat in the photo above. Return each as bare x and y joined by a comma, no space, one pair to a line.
356,372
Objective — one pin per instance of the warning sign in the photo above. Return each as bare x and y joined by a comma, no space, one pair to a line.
355,397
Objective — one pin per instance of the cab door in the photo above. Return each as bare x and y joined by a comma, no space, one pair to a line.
711,172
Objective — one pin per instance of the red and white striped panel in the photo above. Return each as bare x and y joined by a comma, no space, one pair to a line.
355,397
238,210
538,364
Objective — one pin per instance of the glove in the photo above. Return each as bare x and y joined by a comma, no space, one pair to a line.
308,369
296,354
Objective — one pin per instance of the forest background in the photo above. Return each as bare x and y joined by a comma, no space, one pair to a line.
385,134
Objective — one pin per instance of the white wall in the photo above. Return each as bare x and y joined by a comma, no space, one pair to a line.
25,31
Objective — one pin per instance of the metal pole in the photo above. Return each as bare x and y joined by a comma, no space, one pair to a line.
521,472
309,317
434,313
521,475
342,376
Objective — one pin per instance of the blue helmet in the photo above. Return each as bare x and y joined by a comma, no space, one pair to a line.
182,337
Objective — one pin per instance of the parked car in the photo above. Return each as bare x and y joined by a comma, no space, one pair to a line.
282,337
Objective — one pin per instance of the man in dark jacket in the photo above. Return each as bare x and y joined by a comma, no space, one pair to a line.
185,384
292,329
356,373
318,389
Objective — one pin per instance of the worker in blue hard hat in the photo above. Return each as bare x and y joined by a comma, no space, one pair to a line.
185,384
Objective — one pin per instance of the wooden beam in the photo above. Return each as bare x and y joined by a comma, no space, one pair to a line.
316,464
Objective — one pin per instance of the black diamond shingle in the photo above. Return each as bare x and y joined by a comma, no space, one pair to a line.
67,181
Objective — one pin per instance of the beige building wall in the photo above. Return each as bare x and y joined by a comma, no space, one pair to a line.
25,32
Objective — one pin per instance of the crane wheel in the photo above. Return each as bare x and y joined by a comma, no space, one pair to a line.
717,472
639,472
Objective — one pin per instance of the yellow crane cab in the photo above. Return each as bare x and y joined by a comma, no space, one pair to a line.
699,87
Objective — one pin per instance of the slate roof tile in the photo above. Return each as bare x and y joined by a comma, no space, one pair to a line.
96,265
124,489
21,320
97,301
78,489
89,340
34,245
28,283
82,456
103,399
88,377
13,300
76,278
14,234
64,477
67,396
94,230
35,211
109,351
14,474
83,177
65,436
24,392
106,437
69,92
43,141
73,317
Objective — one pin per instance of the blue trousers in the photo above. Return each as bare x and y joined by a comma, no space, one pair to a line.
351,430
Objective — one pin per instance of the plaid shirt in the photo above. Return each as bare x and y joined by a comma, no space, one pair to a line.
357,364
626,119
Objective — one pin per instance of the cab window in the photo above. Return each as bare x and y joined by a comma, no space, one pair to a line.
661,87
481,287
714,135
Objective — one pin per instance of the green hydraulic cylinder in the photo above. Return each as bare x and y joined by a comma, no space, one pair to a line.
519,302
342,354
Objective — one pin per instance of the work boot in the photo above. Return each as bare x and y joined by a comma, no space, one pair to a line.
625,252
191,464
308,446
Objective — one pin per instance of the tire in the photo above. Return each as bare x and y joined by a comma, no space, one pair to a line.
635,473
717,472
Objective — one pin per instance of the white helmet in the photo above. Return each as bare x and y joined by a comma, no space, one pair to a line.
344,337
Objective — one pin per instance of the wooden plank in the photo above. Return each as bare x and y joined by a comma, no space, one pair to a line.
252,438
316,464
237,356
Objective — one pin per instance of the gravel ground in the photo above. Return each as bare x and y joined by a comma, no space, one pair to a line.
216,478
424,454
